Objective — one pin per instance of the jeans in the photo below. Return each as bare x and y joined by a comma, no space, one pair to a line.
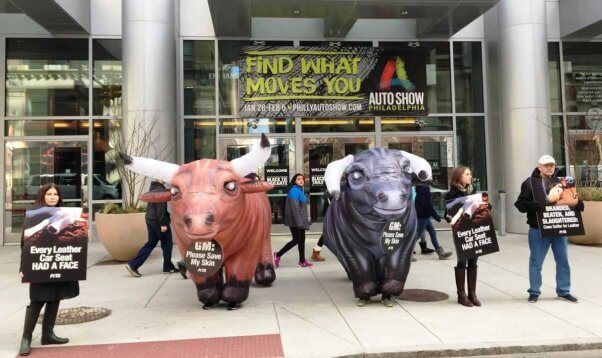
539,246
428,225
154,236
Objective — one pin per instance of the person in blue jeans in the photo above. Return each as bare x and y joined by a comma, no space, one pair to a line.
539,245
157,224
424,212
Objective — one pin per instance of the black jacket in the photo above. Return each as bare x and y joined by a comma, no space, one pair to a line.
156,213
525,203
452,194
424,203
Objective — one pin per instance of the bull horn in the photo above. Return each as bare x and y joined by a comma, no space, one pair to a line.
334,173
254,159
420,166
150,167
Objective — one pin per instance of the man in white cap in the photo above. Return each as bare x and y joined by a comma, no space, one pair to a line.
539,245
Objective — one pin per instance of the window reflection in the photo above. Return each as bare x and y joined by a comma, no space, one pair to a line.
107,77
106,180
199,77
468,77
23,127
256,125
47,77
417,124
199,139
314,125
470,137
582,75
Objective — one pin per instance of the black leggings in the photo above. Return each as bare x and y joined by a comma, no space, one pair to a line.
298,239
472,263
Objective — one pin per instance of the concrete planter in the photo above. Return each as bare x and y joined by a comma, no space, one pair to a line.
592,223
121,234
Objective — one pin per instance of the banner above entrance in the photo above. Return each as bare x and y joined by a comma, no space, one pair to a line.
276,82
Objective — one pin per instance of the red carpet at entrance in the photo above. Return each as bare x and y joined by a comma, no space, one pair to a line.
242,346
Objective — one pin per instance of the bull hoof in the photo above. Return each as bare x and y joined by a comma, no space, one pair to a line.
392,288
209,295
365,290
208,306
235,295
233,306
265,274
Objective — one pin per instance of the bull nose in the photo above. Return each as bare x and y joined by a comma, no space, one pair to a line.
188,220
382,197
209,219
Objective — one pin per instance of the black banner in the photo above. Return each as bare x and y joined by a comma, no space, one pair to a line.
55,245
277,176
559,217
392,236
278,82
472,226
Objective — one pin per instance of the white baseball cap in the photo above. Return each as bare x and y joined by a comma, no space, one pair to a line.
546,159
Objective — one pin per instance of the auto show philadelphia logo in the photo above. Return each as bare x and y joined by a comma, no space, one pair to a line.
401,86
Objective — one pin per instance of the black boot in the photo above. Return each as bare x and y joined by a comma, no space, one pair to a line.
460,279
471,278
31,317
424,250
48,336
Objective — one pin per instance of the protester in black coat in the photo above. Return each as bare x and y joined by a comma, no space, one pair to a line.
466,270
47,293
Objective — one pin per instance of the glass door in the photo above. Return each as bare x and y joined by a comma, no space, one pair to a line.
277,170
317,153
31,164
438,151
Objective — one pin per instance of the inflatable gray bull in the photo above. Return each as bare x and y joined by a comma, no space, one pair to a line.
370,189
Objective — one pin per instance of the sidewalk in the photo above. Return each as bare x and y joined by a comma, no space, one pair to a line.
314,312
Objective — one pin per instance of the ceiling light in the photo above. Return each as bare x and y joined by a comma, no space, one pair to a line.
404,13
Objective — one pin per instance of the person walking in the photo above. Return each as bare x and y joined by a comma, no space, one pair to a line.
424,212
49,294
466,270
538,245
296,218
157,224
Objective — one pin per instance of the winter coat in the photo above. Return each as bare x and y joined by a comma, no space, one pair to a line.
295,213
525,202
156,213
452,194
424,204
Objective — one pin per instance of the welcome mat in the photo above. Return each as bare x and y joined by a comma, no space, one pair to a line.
268,345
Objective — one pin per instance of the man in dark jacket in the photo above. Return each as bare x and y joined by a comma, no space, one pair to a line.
424,212
539,245
157,223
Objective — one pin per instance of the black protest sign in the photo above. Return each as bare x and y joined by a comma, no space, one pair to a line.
276,175
392,236
472,226
204,258
316,177
55,245
559,216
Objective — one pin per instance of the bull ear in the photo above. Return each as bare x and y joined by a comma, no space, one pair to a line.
255,186
420,167
334,173
254,159
156,196
150,167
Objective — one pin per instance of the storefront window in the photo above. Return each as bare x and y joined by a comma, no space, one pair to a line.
199,139
584,148
582,75
107,182
46,77
554,76
558,143
199,77
470,138
468,77
256,125
107,77
438,72
21,128
314,125
417,124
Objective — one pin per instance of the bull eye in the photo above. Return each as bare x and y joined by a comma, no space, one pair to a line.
357,175
174,191
408,170
230,186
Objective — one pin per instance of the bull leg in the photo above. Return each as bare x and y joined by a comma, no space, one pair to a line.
397,267
209,289
264,272
239,272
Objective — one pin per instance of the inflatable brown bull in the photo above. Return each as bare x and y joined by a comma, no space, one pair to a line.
212,201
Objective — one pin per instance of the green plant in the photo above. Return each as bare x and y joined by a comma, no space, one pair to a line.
589,193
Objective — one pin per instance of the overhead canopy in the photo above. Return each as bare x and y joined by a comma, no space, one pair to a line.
429,18
48,14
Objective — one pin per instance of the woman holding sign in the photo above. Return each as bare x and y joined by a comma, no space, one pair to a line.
47,293
296,218
466,270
